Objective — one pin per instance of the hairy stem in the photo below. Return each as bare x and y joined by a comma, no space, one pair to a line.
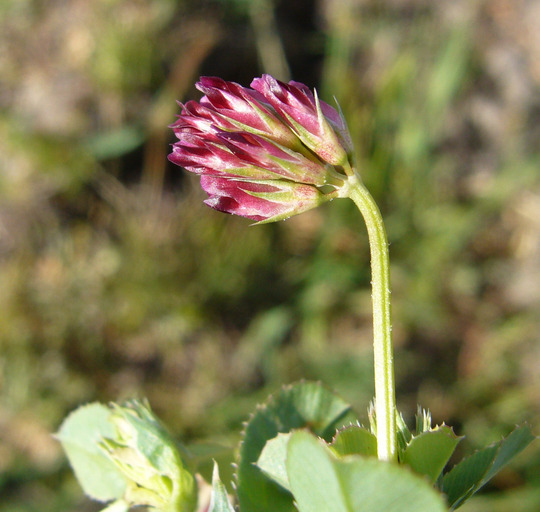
385,400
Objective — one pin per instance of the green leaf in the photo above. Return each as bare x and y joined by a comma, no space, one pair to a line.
303,405
429,452
354,440
516,442
464,479
138,428
472,473
273,460
313,475
220,500
79,435
321,482
375,486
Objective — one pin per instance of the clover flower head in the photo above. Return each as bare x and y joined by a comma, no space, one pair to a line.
266,152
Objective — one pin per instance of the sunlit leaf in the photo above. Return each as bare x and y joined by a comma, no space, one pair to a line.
79,435
273,460
429,452
354,440
303,405
322,482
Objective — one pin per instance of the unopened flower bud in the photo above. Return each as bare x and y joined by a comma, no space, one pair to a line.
148,458
264,153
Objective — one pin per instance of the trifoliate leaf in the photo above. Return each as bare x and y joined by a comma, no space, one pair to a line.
321,482
303,405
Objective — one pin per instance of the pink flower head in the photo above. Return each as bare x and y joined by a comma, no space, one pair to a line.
264,153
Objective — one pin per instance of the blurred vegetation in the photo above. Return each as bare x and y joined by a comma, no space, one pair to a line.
116,281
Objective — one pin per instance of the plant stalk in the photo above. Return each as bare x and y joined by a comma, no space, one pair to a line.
385,395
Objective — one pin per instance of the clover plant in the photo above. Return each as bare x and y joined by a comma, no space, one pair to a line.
266,153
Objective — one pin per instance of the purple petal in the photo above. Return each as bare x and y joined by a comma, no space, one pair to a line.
203,155
316,123
243,105
288,101
230,196
260,201
266,154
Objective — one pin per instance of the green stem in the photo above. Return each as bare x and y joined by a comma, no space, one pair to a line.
385,399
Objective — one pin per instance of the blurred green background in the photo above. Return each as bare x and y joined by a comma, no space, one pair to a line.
116,281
